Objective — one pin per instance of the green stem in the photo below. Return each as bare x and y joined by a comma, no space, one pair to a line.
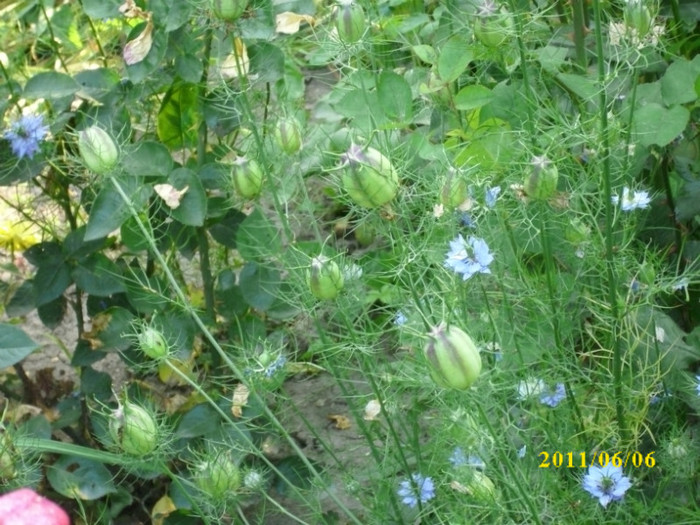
53,42
579,21
609,225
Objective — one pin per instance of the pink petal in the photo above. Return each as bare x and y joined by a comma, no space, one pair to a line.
26,507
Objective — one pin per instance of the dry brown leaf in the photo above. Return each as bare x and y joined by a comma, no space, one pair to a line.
240,399
163,508
99,323
237,63
289,22
341,422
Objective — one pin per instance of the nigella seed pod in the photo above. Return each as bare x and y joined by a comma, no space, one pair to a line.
493,26
481,488
228,10
218,477
247,177
325,278
541,184
7,459
134,429
152,343
454,191
453,357
350,21
97,149
637,17
369,177
288,135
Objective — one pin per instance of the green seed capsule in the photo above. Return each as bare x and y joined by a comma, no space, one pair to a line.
288,135
218,477
541,184
482,488
229,10
247,177
638,17
325,278
350,21
97,149
453,357
152,343
368,177
134,429
493,26
7,459
454,192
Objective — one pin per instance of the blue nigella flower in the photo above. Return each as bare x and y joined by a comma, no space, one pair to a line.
522,451
24,135
553,398
420,489
275,366
400,319
698,385
492,196
469,257
466,220
606,483
459,458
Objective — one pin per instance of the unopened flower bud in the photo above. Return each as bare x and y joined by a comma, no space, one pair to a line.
493,26
247,177
541,184
218,477
97,149
453,357
364,234
152,343
228,10
325,278
134,429
350,21
368,177
454,191
288,135
481,487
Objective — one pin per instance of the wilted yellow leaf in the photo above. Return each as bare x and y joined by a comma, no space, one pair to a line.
163,508
341,422
288,22
240,399
237,63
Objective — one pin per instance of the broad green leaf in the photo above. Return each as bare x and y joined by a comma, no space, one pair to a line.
259,285
142,70
224,231
98,275
688,201
472,97
455,56
147,159
585,88
51,280
426,53
22,301
102,8
192,209
229,299
395,97
201,420
109,211
180,116
266,61
51,85
552,57
257,238
77,477
15,345
678,83
52,313
654,124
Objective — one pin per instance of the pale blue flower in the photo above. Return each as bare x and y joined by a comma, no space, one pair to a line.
553,398
492,196
522,451
276,365
400,319
682,284
420,489
467,221
25,134
459,458
632,201
697,387
606,483
469,257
